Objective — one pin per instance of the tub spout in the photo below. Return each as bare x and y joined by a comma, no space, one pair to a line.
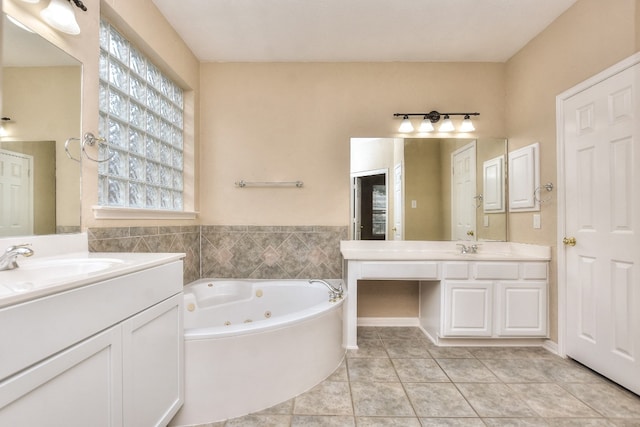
335,294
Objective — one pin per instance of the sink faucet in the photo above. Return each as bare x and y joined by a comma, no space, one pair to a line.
471,249
334,293
8,258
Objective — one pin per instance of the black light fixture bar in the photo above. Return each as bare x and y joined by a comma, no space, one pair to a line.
434,116
80,5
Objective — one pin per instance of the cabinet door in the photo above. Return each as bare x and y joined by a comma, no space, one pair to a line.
521,309
153,355
467,309
77,387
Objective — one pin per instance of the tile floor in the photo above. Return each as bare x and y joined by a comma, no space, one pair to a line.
397,377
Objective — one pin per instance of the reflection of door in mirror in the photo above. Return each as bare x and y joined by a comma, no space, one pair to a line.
29,201
41,93
371,207
16,194
463,193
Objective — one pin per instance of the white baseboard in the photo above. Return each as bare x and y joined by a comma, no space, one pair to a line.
388,321
551,347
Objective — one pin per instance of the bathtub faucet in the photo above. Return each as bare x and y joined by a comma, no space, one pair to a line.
334,293
8,258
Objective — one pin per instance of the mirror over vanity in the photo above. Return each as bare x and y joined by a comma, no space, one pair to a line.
432,189
41,97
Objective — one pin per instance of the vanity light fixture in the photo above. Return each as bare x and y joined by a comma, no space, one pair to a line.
60,15
406,126
467,124
433,117
3,128
447,125
31,1
425,125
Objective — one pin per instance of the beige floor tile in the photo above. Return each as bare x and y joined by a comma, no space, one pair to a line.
438,400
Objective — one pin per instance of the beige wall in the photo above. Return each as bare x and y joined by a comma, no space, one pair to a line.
293,121
388,298
586,39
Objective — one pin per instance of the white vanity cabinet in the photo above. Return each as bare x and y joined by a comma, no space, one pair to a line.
494,299
105,354
499,293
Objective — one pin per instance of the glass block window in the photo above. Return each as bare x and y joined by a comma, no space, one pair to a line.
141,117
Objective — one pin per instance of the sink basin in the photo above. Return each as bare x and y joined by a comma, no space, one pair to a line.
33,274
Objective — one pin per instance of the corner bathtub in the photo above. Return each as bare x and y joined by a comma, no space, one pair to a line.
250,344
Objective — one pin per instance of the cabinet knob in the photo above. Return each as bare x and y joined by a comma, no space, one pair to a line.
470,233
569,241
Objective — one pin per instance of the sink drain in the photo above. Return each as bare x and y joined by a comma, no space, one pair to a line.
267,314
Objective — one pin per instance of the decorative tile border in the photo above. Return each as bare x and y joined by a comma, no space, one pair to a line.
258,252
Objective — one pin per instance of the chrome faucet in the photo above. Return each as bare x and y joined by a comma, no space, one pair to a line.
471,249
8,258
334,293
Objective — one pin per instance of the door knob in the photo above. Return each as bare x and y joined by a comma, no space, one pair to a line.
569,241
394,229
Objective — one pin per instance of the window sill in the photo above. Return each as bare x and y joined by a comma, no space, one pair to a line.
110,212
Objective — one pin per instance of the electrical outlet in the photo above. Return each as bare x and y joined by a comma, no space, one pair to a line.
536,221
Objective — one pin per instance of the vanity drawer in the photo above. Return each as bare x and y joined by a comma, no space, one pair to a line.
534,270
400,270
455,270
497,270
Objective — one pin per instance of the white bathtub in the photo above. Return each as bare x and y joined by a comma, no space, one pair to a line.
250,344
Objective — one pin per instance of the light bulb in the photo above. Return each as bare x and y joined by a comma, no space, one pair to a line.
59,14
426,125
405,126
467,125
447,125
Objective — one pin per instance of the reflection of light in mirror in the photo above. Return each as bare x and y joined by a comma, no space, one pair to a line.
19,24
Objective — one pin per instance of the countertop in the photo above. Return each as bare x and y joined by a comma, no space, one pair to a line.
414,250
31,280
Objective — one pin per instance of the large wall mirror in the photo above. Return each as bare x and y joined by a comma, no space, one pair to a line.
41,94
428,189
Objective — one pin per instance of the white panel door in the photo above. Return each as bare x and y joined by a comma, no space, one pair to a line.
602,214
16,194
463,193
398,203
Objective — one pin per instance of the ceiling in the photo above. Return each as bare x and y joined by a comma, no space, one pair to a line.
359,30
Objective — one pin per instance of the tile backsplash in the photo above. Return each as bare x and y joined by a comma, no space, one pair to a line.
216,251
151,239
